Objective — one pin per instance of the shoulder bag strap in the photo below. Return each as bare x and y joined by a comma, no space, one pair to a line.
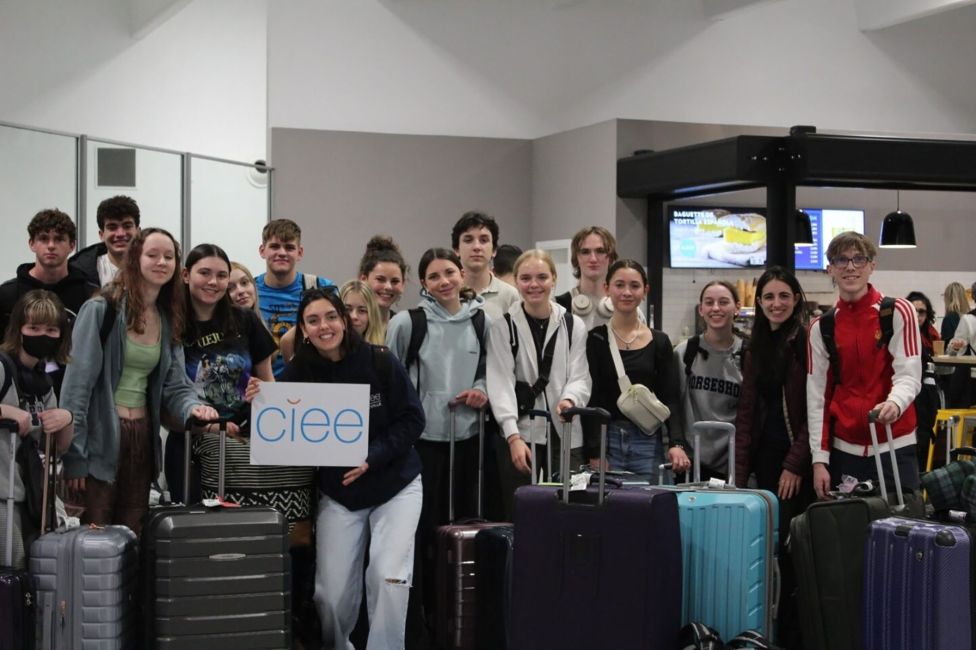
622,379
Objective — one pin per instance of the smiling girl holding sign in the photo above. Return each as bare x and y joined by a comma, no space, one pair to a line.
376,502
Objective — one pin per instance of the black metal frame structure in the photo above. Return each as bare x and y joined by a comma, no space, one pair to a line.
780,164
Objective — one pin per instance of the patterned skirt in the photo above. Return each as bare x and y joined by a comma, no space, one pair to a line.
287,489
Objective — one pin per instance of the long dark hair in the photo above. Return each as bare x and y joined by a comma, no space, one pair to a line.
431,254
224,318
128,282
628,264
304,350
929,312
769,358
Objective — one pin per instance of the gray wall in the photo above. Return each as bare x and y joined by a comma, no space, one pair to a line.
574,181
344,187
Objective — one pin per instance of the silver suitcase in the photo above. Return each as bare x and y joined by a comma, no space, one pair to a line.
87,580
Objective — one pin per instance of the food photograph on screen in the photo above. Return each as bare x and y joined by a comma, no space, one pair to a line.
707,237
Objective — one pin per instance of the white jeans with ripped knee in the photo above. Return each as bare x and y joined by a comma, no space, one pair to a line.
341,539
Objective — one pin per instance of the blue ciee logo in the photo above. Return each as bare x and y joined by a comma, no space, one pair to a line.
314,425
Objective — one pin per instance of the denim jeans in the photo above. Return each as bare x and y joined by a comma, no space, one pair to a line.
630,449
341,541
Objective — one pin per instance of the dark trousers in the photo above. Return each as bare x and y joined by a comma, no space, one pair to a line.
510,479
864,468
768,466
435,459
126,500
174,463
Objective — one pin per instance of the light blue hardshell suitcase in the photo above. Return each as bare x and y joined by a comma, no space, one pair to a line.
729,538
86,588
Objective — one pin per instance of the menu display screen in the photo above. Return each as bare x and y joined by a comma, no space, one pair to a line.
826,224
706,237
714,238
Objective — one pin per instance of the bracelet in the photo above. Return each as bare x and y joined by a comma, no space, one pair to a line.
679,445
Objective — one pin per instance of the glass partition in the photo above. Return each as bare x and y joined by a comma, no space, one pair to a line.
37,171
229,207
153,178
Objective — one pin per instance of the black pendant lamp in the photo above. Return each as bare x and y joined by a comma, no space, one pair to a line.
897,229
804,231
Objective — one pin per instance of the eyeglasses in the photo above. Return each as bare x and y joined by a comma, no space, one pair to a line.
857,260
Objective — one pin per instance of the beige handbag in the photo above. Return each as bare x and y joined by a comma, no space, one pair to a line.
637,402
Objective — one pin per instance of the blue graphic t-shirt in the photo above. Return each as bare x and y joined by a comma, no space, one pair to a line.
219,365
279,307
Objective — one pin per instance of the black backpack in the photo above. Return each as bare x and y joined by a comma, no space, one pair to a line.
526,394
418,332
694,348
827,322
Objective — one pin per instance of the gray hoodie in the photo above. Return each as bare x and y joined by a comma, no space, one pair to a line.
89,387
710,393
449,361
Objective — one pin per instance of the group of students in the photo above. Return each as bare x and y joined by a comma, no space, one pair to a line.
166,342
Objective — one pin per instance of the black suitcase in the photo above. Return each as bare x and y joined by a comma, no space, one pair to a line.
16,585
493,556
216,577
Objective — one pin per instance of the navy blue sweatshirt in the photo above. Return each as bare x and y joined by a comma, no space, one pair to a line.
396,420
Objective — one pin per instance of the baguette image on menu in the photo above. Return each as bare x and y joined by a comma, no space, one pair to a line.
717,237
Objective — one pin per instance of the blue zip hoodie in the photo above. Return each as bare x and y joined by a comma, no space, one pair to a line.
396,420
449,361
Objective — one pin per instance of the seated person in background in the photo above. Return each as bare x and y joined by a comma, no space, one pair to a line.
929,399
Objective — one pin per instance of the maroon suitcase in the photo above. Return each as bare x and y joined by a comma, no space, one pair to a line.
454,619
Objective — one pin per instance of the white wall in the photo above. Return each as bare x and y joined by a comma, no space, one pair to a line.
196,83
528,69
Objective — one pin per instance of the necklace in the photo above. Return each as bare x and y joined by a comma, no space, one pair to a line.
626,342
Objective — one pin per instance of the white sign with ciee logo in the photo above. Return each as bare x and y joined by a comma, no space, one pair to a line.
305,424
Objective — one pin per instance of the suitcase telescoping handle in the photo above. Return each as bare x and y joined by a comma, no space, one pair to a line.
603,416
221,457
712,425
545,415
11,426
453,406
876,448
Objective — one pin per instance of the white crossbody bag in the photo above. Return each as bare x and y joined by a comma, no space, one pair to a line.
637,402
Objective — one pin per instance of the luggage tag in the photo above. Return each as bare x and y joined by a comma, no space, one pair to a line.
219,503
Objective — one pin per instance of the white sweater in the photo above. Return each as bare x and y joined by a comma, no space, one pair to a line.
569,377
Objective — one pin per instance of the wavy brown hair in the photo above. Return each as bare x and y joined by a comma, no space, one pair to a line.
129,281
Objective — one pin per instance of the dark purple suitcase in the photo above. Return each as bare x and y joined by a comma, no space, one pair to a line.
917,592
595,572
917,577
16,585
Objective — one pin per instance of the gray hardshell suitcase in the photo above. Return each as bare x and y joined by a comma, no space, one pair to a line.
86,588
216,577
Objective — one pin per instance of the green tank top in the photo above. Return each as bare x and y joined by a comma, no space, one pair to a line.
138,361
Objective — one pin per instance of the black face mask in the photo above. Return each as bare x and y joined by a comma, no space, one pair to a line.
41,346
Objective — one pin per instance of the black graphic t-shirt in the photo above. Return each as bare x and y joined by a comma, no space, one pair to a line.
219,365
